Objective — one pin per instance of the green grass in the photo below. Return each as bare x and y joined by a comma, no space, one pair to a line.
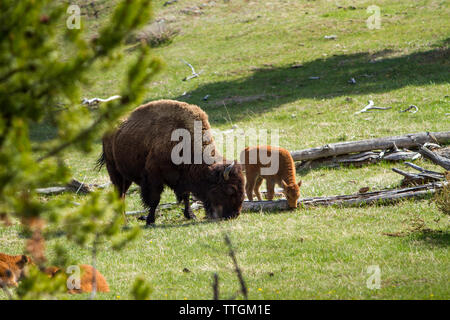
246,49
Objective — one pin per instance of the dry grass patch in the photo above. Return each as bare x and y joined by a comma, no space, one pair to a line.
155,35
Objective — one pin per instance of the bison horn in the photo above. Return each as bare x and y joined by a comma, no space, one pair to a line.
226,172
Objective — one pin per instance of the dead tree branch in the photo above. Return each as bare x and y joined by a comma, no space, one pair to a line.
371,106
194,74
96,101
354,200
73,186
359,159
94,266
437,159
418,178
216,287
237,269
341,148
412,108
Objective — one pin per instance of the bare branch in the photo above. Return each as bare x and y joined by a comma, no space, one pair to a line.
96,101
352,200
371,106
437,159
216,287
411,107
238,271
340,148
94,266
194,74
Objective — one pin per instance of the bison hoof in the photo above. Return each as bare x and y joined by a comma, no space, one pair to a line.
189,215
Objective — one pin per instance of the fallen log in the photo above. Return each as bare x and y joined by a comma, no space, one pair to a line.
359,199
437,159
165,206
359,159
443,152
418,178
422,170
51,190
381,196
341,148
73,186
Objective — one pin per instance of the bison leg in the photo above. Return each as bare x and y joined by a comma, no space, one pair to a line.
123,191
120,183
187,207
151,194
259,181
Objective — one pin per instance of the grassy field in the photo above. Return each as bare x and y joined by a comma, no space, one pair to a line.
246,50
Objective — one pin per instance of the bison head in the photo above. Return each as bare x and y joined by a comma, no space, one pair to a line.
225,192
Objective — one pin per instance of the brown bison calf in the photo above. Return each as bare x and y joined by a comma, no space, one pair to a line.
141,150
86,279
12,270
284,175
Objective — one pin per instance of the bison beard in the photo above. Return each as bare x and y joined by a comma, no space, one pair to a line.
140,151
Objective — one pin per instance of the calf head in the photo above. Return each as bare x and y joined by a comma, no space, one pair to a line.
225,192
292,192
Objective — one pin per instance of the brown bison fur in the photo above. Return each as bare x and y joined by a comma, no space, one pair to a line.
7,278
87,279
16,267
12,270
285,177
139,151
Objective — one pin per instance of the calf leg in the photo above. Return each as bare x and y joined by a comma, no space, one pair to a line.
259,181
250,184
270,188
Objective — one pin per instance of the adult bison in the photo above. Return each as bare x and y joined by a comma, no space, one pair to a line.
141,150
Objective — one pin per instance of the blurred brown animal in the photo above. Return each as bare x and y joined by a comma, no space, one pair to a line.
285,177
7,278
86,281
12,268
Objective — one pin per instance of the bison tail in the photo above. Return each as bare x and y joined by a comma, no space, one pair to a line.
100,161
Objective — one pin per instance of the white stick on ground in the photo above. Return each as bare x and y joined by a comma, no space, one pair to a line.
371,106
194,74
412,108
95,101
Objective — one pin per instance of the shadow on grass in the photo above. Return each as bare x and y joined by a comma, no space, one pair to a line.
268,88
435,238
55,234
183,224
